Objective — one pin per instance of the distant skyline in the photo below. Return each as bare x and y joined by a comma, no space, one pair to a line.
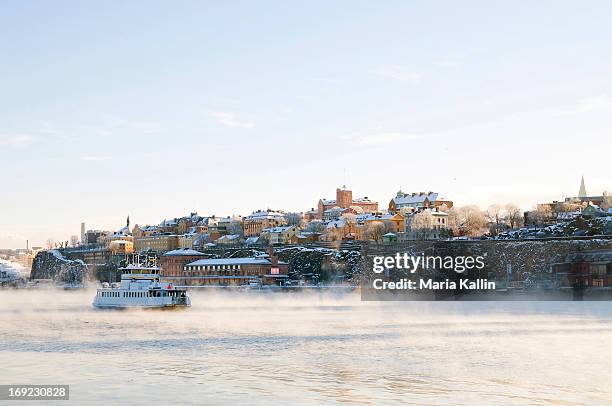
156,109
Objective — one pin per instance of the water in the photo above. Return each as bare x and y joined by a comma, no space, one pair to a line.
309,349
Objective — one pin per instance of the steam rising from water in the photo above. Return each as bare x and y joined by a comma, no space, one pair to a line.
310,347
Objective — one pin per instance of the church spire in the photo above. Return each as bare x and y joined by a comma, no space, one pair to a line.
582,192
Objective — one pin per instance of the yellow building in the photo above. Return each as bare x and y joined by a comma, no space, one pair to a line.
158,242
121,246
253,224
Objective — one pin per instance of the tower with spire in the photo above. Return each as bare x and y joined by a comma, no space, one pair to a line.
582,192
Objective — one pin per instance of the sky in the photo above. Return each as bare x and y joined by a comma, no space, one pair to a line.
155,109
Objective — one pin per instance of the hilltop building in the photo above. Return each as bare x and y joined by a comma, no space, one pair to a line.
419,201
574,206
584,198
254,223
281,235
344,200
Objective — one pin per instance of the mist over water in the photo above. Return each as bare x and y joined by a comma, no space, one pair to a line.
288,348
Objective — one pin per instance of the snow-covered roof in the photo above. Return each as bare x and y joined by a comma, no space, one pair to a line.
277,229
336,223
229,237
182,251
331,202
416,198
121,242
168,223
233,261
251,240
149,228
372,217
261,215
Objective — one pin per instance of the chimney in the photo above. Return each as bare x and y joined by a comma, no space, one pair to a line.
273,257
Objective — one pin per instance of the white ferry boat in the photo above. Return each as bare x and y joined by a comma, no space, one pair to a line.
140,286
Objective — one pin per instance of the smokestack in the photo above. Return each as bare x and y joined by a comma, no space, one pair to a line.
82,233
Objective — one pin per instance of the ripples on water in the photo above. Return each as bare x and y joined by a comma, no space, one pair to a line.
309,348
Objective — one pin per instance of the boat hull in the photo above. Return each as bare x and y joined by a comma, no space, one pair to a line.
126,307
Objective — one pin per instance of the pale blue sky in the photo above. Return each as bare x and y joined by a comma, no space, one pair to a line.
155,109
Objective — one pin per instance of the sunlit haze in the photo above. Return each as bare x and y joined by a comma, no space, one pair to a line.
158,109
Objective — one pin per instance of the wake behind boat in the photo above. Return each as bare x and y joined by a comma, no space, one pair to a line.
140,286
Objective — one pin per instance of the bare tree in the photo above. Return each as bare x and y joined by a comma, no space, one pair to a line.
50,243
264,239
422,223
495,217
375,231
472,221
453,222
540,215
315,226
235,228
607,202
389,226
350,221
294,219
514,216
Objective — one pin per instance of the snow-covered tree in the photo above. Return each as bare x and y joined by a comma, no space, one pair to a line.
471,220
422,223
